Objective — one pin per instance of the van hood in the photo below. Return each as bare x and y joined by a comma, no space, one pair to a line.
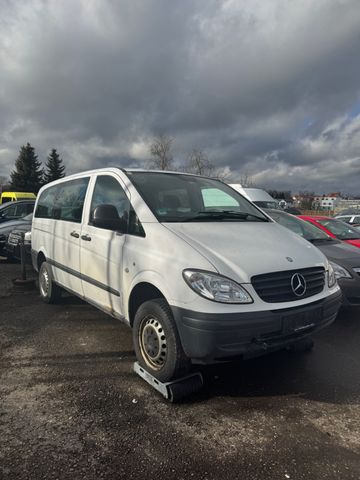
240,250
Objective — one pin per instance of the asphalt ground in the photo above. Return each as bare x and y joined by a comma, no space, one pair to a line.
71,407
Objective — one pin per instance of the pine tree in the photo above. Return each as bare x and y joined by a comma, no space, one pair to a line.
54,167
28,174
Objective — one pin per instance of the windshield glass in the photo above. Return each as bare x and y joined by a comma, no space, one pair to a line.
339,229
176,197
296,225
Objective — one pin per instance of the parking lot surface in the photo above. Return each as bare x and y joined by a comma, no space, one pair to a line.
71,407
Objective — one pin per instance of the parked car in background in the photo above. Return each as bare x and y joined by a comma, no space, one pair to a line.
197,271
344,258
16,210
350,219
8,227
13,243
6,197
335,229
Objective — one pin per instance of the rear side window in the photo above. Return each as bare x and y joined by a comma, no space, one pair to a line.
6,199
64,201
46,203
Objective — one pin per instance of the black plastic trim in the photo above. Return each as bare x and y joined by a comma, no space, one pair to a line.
209,336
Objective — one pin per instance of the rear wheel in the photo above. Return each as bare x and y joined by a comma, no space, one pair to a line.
49,291
157,343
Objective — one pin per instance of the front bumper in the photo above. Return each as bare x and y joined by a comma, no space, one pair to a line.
215,337
13,250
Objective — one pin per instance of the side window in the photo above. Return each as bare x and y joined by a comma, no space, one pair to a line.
214,197
69,201
356,219
46,202
20,210
29,207
108,191
64,201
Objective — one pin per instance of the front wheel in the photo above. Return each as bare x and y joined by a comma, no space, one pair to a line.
49,291
157,343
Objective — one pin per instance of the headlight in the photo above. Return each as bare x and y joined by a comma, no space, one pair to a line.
339,271
27,238
216,287
331,276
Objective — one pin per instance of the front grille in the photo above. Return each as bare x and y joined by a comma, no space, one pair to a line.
276,287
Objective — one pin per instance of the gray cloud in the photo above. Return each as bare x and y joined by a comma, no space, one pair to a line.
262,87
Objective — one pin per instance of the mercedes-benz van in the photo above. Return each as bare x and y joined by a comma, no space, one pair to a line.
197,271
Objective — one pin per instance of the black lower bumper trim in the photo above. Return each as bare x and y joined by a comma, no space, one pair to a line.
211,337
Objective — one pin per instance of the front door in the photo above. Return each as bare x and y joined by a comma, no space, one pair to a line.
102,249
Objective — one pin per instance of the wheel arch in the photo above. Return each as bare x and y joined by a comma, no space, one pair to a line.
140,293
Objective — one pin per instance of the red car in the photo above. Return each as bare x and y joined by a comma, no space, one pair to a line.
335,228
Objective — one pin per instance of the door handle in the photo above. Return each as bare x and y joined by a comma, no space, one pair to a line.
75,234
86,238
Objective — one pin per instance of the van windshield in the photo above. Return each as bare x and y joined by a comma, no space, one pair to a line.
175,197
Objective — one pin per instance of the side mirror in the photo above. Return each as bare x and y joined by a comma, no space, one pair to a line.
107,217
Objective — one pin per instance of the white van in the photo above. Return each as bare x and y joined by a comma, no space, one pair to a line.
257,195
199,273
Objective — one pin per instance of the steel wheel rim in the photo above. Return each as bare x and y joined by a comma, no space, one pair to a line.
44,283
152,341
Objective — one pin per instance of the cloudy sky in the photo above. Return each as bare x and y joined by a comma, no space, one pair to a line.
269,89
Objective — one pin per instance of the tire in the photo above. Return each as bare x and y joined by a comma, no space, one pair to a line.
157,343
304,345
49,291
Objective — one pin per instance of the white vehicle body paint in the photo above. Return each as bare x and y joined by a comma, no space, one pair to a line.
104,266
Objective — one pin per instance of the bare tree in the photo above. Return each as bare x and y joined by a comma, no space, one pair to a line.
246,180
199,163
160,150
223,173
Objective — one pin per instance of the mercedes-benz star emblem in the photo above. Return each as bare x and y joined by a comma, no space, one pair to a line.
298,284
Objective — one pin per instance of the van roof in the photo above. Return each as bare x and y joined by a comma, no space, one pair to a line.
114,169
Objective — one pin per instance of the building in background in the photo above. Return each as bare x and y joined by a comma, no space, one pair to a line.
327,202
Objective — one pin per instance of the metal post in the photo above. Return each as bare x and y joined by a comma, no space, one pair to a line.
22,256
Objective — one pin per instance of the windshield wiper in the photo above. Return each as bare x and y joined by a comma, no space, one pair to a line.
223,214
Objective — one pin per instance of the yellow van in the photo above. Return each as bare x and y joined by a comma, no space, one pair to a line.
14,196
